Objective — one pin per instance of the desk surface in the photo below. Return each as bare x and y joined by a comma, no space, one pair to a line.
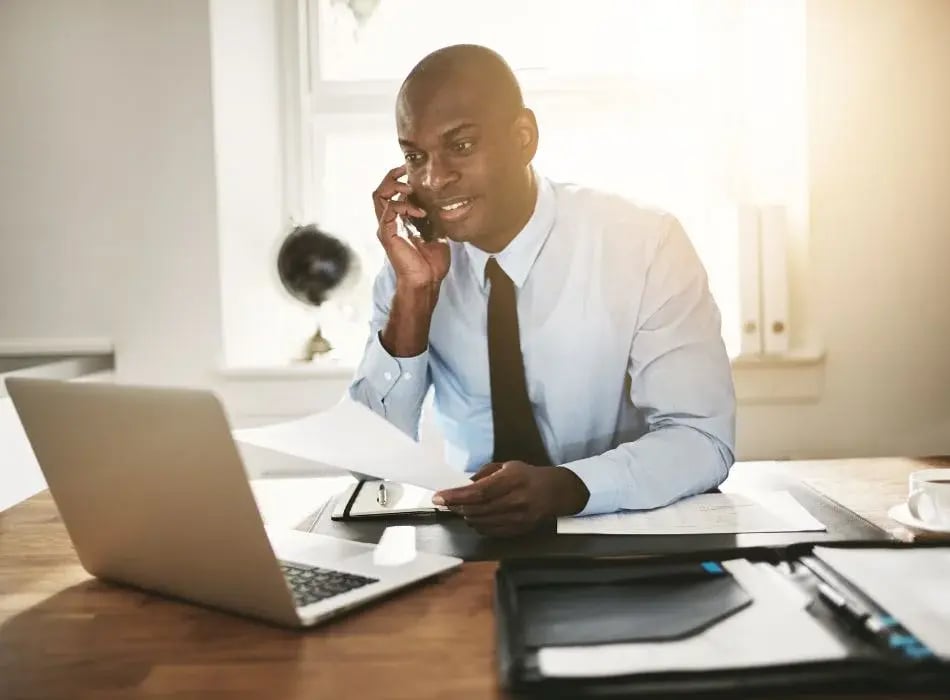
63,634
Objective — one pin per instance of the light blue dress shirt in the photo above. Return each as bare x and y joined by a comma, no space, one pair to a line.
625,364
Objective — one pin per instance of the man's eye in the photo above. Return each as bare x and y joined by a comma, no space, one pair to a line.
463,146
413,157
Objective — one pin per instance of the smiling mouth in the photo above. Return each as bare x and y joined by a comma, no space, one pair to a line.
455,210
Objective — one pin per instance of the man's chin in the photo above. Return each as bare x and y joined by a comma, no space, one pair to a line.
459,234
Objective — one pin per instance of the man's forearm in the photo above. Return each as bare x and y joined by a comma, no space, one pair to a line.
407,330
658,468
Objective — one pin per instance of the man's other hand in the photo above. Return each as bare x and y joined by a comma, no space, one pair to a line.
513,498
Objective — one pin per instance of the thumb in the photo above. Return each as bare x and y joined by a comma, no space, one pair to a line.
487,470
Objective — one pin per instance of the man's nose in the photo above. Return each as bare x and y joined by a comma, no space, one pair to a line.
437,174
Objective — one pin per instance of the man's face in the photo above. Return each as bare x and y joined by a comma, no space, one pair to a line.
463,160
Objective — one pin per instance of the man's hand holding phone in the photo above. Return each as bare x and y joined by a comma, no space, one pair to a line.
417,262
420,267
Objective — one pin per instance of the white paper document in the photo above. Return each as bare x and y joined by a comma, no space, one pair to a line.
350,436
708,513
744,640
285,503
910,584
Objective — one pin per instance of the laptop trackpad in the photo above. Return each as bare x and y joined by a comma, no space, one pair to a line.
305,547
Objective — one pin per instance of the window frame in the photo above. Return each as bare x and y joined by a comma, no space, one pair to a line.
764,267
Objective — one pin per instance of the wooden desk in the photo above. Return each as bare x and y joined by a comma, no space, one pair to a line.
63,634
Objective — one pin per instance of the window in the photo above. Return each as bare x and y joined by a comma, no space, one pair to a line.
696,106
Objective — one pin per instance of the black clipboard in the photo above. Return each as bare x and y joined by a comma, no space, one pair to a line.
376,499
877,649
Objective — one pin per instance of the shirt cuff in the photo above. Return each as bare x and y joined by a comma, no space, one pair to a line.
384,372
598,476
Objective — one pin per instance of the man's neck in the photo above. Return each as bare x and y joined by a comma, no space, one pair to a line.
526,208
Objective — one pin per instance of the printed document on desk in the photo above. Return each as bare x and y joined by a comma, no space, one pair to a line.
350,436
708,513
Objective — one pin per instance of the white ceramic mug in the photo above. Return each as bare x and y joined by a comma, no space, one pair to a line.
929,499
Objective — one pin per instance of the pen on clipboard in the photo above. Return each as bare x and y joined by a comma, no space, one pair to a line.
382,497
878,625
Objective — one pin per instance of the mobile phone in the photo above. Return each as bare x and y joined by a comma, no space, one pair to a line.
422,225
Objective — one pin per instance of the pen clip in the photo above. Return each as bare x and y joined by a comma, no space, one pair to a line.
382,497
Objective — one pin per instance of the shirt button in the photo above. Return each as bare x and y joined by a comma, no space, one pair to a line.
387,376
407,375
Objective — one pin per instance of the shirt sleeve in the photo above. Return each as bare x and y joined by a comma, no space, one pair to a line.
392,387
681,382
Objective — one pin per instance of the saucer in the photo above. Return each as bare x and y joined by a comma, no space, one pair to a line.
902,515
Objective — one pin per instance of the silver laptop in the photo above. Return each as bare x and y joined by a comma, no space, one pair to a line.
153,493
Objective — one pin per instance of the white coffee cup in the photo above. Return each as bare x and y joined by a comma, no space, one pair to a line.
929,499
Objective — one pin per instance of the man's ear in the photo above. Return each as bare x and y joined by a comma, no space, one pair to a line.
526,133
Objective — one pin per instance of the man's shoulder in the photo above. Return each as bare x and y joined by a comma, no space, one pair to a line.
613,214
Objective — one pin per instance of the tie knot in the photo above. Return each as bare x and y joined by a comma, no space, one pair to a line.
494,273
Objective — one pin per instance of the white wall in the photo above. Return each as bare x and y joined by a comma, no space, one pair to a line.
107,190
880,235
57,239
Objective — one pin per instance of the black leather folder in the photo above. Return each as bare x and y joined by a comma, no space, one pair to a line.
799,619
445,533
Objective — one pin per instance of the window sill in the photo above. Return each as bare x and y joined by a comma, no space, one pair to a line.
12,347
319,369
794,377
282,391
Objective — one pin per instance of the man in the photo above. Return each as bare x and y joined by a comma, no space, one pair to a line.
619,393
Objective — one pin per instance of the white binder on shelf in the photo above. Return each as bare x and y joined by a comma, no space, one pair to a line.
773,227
750,308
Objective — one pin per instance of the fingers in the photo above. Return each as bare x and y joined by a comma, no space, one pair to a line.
498,502
487,469
512,501
484,490
399,207
460,496
391,190
399,192
387,219
396,172
390,184
501,481
387,230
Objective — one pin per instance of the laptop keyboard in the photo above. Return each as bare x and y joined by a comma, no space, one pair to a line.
311,584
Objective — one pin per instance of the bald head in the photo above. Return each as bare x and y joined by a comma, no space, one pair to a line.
468,141
485,75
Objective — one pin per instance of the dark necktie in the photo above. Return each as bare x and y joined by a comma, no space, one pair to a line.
516,433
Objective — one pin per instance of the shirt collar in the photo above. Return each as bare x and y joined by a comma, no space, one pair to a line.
519,255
